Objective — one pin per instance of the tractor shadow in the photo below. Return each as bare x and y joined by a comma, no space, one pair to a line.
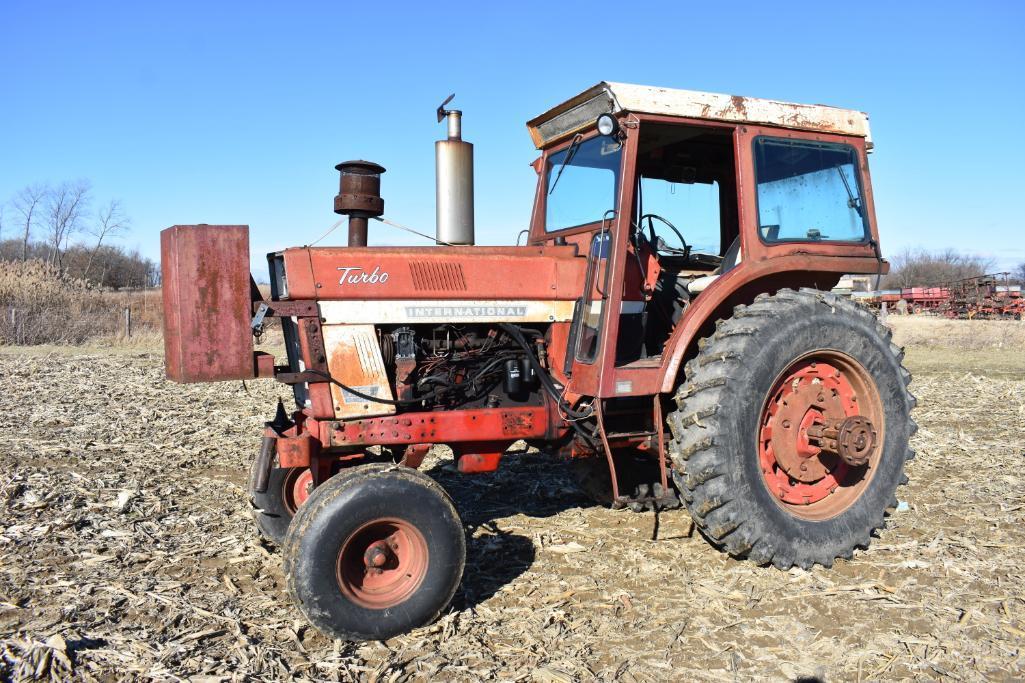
531,483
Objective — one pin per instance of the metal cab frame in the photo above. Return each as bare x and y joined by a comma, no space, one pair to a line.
766,267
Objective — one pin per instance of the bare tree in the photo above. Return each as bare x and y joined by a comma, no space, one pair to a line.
917,268
65,205
27,203
110,221
1019,273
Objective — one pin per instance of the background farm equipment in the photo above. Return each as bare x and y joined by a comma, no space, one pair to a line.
990,296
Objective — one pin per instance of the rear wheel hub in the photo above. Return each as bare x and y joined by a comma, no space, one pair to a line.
818,436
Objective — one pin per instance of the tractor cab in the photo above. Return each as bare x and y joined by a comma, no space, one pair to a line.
686,204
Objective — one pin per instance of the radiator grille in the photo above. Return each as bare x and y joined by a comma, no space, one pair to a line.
437,276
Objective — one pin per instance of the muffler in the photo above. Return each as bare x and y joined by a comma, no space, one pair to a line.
454,168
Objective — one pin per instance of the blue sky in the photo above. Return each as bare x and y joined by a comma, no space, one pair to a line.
228,112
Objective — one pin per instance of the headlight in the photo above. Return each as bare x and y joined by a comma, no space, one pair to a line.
608,125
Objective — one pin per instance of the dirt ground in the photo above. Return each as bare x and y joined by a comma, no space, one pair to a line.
127,551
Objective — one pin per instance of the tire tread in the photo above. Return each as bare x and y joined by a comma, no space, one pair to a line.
701,464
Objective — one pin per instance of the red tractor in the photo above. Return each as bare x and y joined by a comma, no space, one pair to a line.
668,328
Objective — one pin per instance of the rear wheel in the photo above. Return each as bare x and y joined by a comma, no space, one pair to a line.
376,551
792,429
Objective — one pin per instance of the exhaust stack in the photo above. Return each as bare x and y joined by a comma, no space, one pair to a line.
454,169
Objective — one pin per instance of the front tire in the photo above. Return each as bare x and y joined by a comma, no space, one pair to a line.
376,551
287,489
779,370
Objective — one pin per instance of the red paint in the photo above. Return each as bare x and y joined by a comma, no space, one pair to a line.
414,454
295,451
263,365
811,392
302,487
481,456
476,463
205,274
483,424
374,273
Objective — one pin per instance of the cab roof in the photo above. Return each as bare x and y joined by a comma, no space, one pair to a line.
580,112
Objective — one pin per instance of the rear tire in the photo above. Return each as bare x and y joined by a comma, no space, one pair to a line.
739,497
376,551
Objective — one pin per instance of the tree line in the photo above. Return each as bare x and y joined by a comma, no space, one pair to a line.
922,268
59,225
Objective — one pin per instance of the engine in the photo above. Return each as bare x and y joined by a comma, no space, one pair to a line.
463,366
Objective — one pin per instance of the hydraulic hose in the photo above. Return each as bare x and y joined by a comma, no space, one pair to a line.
517,335
376,399
549,385
400,402
546,380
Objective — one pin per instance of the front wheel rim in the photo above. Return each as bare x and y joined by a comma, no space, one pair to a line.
820,435
296,488
382,563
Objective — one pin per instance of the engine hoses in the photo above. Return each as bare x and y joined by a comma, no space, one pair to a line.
376,399
546,379
543,375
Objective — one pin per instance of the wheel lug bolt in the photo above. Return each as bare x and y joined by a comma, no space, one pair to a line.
786,424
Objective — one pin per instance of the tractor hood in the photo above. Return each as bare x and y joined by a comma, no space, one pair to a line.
432,273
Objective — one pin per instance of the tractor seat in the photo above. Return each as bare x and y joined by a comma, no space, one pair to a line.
729,260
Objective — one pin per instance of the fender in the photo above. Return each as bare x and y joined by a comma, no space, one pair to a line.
740,286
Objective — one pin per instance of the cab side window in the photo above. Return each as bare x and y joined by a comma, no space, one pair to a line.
808,192
692,207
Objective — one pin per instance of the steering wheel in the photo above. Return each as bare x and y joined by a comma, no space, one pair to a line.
654,239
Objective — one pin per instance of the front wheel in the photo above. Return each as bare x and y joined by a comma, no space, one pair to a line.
792,429
287,489
376,551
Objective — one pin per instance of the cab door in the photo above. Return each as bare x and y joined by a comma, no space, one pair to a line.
590,319
591,353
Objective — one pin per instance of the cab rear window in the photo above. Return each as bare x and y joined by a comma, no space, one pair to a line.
808,192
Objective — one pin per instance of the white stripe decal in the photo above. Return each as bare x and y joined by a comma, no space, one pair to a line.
625,307
392,311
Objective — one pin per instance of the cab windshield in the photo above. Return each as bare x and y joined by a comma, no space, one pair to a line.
582,180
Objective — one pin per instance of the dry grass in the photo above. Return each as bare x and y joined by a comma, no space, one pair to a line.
918,331
40,305
127,552
939,345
